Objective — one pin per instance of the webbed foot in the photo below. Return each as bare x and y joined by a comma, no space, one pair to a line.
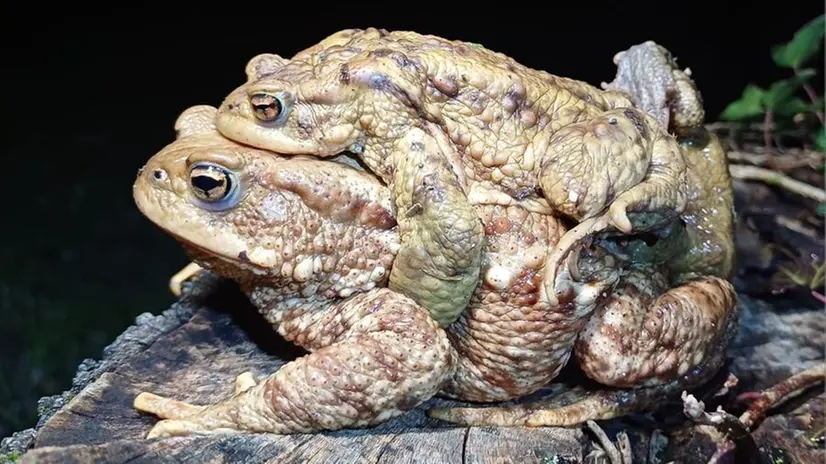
179,417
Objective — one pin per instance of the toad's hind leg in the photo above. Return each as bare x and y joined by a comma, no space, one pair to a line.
649,346
619,171
442,236
386,356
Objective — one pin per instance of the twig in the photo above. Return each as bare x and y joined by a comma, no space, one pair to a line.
767,131
728,425
796,226
624,445
812,95
743,172
782,391
613,454
791,160
722,125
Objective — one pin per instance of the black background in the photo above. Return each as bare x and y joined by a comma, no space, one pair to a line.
86,100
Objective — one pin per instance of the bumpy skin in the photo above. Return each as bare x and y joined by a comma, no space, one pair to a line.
517,135
664,313
317,284
309,244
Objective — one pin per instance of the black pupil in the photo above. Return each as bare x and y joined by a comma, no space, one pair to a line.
273,104
207,184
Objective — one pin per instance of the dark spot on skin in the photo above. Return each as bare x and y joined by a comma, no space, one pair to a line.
498,226
417,146
523,193
382,52
526,288
243,257
632,115
566,299
446,85
430,190
612,121
344,74
400,58
304,125
464,78
376,306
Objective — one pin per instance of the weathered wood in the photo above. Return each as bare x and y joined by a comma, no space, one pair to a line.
195,350
198,362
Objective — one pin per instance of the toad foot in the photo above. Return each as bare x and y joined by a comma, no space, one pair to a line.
190,271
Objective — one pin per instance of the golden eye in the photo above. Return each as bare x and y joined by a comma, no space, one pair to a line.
266,107
213,184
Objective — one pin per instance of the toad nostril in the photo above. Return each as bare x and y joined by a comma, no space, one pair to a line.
159,174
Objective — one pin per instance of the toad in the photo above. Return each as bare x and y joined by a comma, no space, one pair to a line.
506,134
310,242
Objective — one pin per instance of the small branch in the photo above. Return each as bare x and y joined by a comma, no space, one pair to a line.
728,126
796,226
767,132
614,455
812,96
768,176
733,431
782,391
787,161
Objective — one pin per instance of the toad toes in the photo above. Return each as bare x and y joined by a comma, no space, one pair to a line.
516,135
310,241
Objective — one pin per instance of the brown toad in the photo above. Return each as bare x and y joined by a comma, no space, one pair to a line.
508,134
310,242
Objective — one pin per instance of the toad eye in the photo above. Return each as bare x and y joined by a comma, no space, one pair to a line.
267,107
215,187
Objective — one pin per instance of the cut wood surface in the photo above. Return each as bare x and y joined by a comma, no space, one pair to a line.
194,351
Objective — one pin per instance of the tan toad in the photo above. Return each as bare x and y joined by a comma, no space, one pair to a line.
311,242
506,134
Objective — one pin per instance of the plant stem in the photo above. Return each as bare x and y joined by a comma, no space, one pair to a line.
744,172
767,130
812,96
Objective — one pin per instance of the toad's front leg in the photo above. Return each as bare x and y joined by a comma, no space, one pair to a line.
386,356
648,346
442,236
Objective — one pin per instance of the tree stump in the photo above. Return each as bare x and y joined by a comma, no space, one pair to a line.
194,351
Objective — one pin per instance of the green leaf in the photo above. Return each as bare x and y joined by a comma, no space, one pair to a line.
820,139
797,105
749,104
805,43
780,92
